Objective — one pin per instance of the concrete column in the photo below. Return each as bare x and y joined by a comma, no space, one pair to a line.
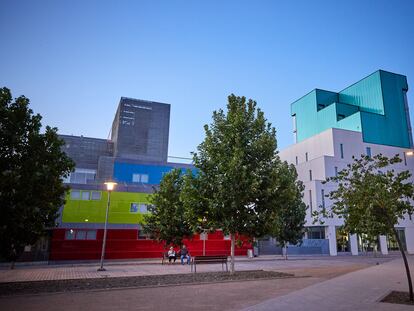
383,244
409,239
331,235
354,244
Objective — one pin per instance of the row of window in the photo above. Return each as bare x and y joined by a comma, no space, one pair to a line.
138,208
140,178
85,195
90,234
81,176
73,234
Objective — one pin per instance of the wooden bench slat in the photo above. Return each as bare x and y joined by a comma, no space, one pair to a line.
209,260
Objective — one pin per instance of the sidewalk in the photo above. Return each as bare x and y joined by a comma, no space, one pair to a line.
359,290
121,268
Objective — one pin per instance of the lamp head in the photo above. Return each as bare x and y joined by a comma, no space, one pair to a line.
110,185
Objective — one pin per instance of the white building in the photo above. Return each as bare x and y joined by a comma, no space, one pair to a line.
369,117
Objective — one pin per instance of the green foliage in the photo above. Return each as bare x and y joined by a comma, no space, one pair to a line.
371,196
238,169
288,220
166,222
32,166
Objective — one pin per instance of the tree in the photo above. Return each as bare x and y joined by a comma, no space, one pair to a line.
32,167
372,197
238,171
288,219
166,221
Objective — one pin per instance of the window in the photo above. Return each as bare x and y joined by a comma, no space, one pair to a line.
310,174
73,234
91,235
80,235
294,128
82,176
96,195
133,208
369,151
323,197
136,177
306,157
143,208
316,232
142,178
336,171
85,195
310,202
70,234
341,147
296,160
138,207
75,195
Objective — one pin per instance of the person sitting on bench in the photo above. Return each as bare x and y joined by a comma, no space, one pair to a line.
171,254
184,253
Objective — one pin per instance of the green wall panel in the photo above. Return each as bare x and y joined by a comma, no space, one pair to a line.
93,211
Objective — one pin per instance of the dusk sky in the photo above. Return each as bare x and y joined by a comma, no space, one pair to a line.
75,59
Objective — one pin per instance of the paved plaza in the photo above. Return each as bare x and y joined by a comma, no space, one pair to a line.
321,283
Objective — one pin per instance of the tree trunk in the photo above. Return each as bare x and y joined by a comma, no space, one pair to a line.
12,263
407,267
233,244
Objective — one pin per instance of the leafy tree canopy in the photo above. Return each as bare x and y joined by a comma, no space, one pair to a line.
372,195
288,220
240,175
32,165
166,221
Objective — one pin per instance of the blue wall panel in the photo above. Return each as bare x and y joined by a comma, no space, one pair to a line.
123,172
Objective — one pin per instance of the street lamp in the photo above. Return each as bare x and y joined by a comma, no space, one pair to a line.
204,235
109,187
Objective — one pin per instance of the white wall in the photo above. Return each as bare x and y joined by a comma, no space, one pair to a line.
324,155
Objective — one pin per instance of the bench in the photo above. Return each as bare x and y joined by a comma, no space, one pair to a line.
198,260
165,257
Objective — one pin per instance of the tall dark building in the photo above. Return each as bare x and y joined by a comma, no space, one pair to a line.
140,130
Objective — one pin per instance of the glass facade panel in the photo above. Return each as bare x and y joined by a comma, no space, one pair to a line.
96,195
70,234
75,195
81,235
86,195
143,208
91,235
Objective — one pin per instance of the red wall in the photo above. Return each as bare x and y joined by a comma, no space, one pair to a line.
123,244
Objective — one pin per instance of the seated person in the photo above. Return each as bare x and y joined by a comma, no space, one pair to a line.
184,253
171,254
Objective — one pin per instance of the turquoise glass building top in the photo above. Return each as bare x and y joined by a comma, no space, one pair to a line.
376,106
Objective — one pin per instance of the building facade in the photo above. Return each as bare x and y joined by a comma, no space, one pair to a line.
136,157
367,118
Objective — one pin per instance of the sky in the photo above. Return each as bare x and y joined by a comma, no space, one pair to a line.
75,59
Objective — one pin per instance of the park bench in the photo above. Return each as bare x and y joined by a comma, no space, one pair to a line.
198,260
165,258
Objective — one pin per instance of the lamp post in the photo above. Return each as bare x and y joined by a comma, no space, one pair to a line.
109,187
204,235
